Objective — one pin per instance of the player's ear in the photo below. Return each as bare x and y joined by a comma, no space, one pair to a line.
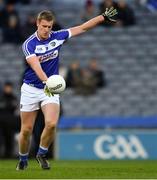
37,22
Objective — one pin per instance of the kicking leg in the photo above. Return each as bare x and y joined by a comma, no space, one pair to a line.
51,115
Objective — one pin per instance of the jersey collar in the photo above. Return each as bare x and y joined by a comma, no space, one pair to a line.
36,34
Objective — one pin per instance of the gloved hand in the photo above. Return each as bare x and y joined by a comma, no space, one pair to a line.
47,90
109,14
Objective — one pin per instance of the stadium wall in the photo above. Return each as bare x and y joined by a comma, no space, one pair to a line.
106,145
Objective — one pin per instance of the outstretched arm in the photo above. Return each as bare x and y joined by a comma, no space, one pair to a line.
86,26
106,16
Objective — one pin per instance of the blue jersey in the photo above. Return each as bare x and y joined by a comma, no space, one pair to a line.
48,53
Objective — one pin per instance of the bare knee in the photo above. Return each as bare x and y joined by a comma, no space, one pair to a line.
50,126
26,132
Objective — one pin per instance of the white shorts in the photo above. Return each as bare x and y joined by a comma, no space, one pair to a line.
33,98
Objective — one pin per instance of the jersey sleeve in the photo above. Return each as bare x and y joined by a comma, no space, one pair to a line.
28,49
63,34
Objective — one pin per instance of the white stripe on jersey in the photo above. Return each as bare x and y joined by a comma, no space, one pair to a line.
49,46
30,56
24,50
32,37
69,33
24,46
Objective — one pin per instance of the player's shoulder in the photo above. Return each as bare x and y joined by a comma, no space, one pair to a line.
61,34
31,39
60,31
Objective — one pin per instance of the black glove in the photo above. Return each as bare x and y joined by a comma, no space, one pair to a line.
109,14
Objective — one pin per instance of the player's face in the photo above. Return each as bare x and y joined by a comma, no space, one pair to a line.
44,28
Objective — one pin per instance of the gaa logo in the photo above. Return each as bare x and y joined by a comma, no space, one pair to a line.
119,147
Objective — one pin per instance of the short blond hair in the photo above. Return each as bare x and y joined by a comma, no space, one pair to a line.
45,15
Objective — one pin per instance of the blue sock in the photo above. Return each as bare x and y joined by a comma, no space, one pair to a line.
42,150
23,157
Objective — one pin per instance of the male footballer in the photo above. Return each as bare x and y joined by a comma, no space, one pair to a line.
42,56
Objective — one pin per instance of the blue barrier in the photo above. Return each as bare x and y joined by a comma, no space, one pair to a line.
106,145
108,122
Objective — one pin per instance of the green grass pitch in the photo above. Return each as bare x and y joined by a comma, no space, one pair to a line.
82,170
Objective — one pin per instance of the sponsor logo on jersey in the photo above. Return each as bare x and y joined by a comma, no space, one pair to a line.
119,147
48,56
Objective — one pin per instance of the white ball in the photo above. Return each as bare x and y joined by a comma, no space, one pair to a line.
56,84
